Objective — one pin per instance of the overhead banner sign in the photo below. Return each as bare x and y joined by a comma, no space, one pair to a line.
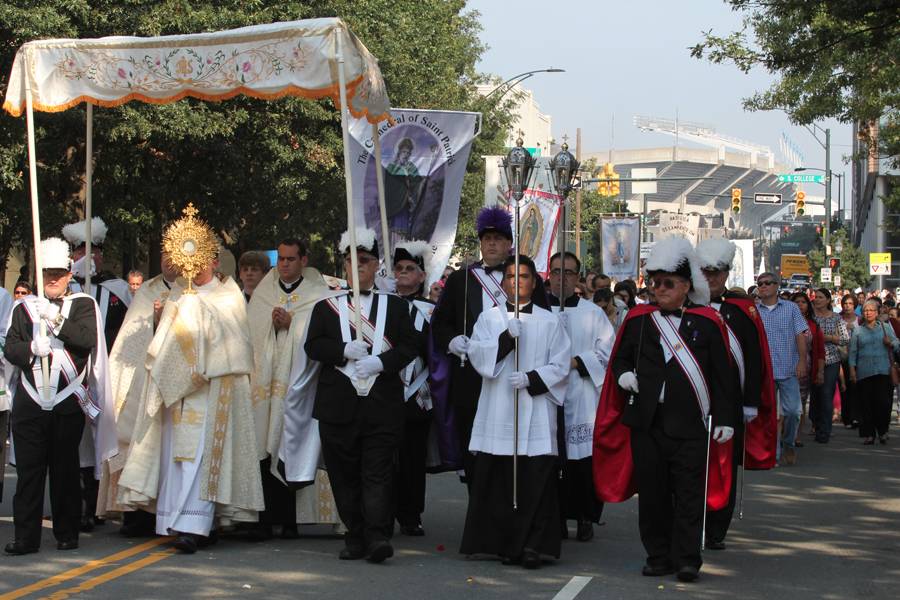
678,225
620,247
423,161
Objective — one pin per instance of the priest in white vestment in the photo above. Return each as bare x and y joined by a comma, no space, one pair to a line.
493,526
286,434
592,338
193,453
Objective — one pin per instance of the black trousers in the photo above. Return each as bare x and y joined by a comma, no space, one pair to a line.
410,475
359,456
875,394
47,441
578,498
718,521
670,478
281,501
90,487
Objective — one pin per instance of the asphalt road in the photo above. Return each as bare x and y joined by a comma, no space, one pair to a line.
828,527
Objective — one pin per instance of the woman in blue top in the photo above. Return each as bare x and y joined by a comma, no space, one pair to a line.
871,356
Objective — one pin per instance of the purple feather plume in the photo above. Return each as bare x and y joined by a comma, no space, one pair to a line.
494,218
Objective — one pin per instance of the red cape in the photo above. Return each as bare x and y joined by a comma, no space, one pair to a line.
761,432
613,469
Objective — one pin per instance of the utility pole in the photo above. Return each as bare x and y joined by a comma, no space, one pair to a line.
578,197
827,192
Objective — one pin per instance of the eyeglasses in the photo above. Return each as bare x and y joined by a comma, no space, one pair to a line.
405,268
568,272
667,282
361,259
768,282
20,292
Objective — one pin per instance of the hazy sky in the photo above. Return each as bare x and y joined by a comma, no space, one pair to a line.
630,58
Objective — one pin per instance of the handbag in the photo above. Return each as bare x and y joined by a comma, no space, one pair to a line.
895,372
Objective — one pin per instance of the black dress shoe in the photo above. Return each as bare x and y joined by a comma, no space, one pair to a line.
657,570
378,552
290,532
714,545
87,524
187,543
67,545
351,553
688,574
17,548
585,531
530,559
412,530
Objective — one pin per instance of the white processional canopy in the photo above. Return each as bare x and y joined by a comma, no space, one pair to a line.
296,58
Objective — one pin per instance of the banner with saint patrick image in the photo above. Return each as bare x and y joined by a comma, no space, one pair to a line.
423,161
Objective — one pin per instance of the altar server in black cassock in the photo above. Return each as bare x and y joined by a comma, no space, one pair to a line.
525,534
361,433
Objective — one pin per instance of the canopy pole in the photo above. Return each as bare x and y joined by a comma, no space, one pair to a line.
88,176
379,179
361,386
36,226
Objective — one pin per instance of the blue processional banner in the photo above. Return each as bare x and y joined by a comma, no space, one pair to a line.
620,247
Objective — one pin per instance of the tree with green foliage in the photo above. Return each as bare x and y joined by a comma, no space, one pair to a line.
854,267
833,59
258,171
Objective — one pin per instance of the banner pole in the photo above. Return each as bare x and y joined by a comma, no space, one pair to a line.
379,180
36,224
88,208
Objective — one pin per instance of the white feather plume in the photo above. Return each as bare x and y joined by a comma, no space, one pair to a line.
418,249
55,254
715,253
668,254
76,234
365,238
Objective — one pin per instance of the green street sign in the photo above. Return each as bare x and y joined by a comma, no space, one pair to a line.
793,178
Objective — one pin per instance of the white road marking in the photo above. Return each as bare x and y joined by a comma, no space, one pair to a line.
573,588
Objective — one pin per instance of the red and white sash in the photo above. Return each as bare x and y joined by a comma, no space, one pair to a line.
669,335
415,374
734,345
491,286
372,333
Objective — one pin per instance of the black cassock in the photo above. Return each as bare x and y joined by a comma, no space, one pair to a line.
360,435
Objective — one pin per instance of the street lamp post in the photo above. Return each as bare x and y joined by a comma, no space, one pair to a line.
563,170
517,79
827,146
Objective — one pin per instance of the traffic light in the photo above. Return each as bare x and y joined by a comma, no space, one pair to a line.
735,200
800,201
834,263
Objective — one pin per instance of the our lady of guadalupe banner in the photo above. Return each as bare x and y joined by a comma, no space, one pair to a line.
741,273
620,247
538,213
423,157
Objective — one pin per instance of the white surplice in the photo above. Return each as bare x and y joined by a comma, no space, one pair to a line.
592,339
544,347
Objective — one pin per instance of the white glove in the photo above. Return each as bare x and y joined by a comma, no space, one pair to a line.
722,433
750,413
49,311
628,381
518,379
356,350
514,327
40,345
369,366
459,345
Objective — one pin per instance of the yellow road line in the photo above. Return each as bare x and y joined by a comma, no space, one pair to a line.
85,568
114,574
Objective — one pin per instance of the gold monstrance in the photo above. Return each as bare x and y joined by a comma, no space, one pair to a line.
191,245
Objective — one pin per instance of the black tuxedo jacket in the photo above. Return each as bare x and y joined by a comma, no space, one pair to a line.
336,399
679,414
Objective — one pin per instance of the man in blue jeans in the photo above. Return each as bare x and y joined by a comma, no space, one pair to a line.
785,330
